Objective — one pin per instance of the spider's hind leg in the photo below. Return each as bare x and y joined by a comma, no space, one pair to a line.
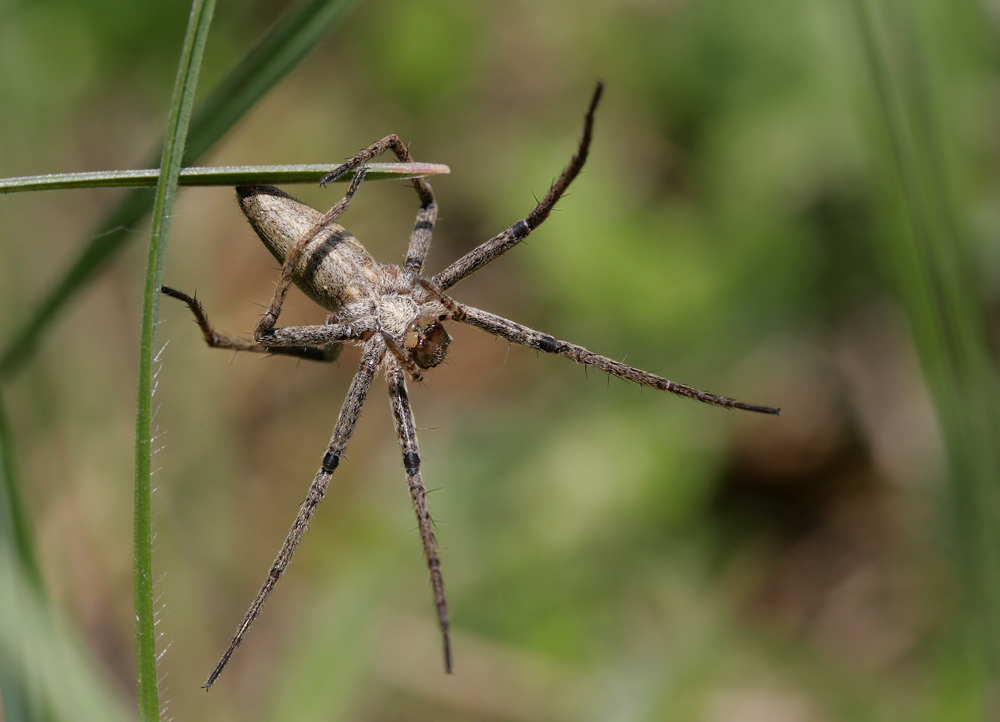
406,428
323,351
350,411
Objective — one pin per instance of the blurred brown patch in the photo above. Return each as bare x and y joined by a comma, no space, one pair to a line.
812,520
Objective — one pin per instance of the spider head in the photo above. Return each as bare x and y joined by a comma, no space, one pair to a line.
427,341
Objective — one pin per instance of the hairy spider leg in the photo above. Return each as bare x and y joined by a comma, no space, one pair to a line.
524,336
500,244
406,430
349,414
288,341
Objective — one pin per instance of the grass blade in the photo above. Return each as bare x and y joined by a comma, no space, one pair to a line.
287,43
163,204
19,699
217,176
15,528
932,268
267,63
45,673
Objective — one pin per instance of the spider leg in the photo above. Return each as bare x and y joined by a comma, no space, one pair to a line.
423,227
516,333
291,336
329,348
406,429
270,316
349,413
500,244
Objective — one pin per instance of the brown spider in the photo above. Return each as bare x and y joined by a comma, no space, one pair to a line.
395,315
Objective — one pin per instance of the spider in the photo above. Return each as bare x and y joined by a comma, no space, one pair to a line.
396,316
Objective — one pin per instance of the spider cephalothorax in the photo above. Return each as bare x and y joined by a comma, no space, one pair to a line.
396,316
339,274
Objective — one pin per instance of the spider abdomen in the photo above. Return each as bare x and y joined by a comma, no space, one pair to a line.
330,265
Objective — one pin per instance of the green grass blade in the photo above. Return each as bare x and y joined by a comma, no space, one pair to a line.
113,231
192,53
15,528
20,702
45,672
267,63
217,176
932,271
287,43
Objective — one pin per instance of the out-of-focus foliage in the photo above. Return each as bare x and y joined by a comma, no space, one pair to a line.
608,553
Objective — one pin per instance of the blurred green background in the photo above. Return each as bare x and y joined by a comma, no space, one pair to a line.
764,216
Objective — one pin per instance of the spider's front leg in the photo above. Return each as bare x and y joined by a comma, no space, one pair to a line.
500,244
524,336
406,429
423,227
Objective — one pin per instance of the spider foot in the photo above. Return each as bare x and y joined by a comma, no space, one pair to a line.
340,172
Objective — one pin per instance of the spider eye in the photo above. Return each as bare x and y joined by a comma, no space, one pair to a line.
430,345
